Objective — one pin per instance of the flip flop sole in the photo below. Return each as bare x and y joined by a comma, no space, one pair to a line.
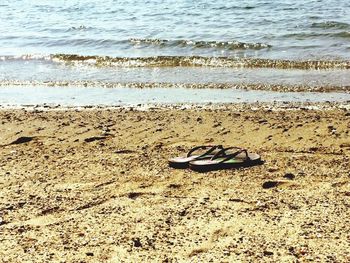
183,162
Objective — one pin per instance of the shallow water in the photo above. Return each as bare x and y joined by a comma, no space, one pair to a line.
46,71
14,96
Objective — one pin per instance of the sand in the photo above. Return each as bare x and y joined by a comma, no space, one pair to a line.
94,185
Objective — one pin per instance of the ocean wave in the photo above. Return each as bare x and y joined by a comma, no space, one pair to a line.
196,61
165,85
181,61
307,35
228,45
234,7
79,28
330,24
27,57
101,43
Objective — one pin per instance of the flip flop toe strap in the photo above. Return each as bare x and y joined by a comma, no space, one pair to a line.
227,157
212,148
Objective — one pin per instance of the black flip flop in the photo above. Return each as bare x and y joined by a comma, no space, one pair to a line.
225,160
182,162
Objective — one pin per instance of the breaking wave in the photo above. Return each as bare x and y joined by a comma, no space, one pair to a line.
196,61
227,45
182,61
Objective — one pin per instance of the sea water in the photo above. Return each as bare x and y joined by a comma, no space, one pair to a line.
154,42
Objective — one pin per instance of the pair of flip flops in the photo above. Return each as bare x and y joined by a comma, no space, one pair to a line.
215,157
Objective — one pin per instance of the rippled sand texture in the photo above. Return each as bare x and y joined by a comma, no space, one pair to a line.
94,186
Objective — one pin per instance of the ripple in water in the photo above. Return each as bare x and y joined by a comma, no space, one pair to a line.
260,29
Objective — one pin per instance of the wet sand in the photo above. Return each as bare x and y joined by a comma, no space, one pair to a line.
93,185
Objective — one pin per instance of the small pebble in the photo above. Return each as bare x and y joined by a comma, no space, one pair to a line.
137,242
289,176
272,169
268,253
262,121
269,184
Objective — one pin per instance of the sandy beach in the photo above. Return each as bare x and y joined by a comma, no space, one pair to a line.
93,185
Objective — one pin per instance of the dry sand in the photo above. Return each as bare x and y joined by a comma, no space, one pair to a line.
94,186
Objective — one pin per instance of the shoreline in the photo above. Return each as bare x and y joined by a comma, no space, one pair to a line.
270,87
238,106
94,184
86,97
